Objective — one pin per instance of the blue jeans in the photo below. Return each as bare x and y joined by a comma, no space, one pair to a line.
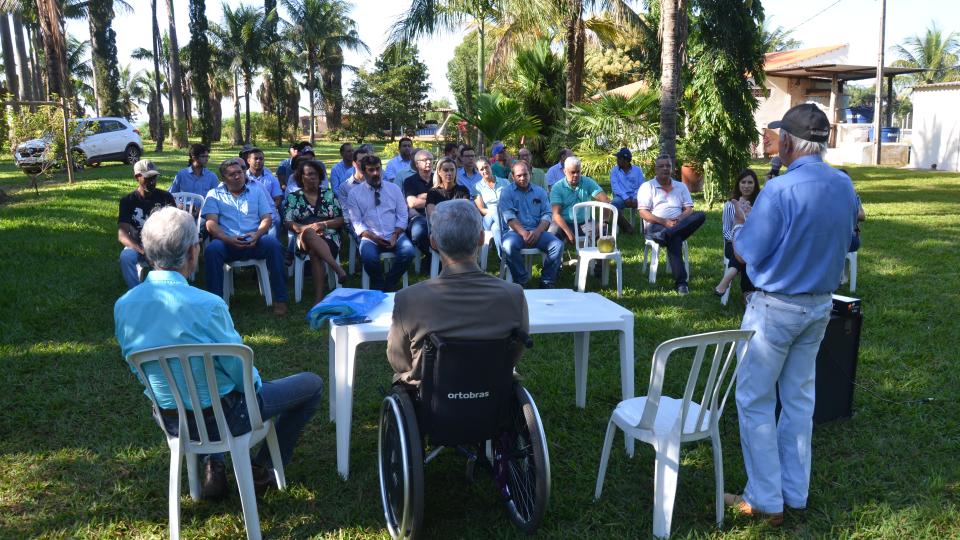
370,259
550,245
419,233
267,247
782,354
129,258
491,223
672,238
621,204
291,401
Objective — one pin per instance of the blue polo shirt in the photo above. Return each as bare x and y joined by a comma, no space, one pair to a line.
166,310
554,174
241,213
469,181
186,181
339,173
797,234
564,195
529,207
626,184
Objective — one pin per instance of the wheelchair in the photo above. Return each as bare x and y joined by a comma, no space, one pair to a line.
468,399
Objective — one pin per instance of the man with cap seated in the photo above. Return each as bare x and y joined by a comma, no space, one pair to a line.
502,160
794,243
625,181
239,218
135,208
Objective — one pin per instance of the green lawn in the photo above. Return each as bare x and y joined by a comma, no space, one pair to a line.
81,457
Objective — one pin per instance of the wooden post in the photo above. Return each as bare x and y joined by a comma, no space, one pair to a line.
877,102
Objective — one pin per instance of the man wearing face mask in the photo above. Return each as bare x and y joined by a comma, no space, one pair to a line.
135,208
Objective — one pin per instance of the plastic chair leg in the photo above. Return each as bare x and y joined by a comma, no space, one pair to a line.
654,262
619,278
434,264
243,472
583,266
666,471
276,458
852,258
717,471
227,284
263,277
604,272
193,475
604,458
298,264
176,457
686,258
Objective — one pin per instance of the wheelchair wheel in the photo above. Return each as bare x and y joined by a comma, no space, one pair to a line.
522,465
400,457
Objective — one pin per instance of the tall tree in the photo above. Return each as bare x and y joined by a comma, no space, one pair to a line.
23,67
323,29
52,35
199,67
241,39
103,52
401,85
9,64
179,117
937,53
673,38
158,104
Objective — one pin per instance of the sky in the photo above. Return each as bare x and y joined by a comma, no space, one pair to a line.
814,22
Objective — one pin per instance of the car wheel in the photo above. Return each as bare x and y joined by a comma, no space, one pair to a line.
133,154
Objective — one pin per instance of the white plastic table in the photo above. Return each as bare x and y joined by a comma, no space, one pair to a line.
550,311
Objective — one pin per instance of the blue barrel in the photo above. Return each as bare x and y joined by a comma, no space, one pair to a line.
890,134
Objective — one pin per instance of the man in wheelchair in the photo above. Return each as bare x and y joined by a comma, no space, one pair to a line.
453,345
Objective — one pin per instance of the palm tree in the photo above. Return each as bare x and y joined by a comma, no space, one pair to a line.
323,29
134,90
179,117
81,71
9,64
937,54
156,74
26,77
502,118
241,39
778,40
673,38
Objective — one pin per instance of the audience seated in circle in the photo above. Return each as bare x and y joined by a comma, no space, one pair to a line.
167,310
135,208
378,215
238,218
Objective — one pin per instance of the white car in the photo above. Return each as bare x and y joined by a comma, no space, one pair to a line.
105,139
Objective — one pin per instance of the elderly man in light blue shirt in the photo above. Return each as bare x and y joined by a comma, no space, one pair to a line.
165,310
794,242
378,215
238,218
525,208
343,169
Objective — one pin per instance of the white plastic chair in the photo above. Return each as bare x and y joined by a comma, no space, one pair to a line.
666,422
485,249
188,202
653,248
850,263
726,294
239,446
263,276
528,255
587,250
296,270
482,255
387,259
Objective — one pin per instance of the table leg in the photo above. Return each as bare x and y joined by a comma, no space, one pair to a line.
581,350
626,373
346,357
332,373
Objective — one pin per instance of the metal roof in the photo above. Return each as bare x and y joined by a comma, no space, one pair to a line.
843,72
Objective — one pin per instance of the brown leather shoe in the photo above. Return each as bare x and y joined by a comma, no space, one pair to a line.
736,501
214,485
280,309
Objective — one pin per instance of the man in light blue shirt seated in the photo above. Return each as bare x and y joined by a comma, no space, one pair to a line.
165,310
794,242
400,167
343,169
667,210
468,175
525,208
356,176
238,218
573,189
258,173
196,177
555,173
625,180
378,215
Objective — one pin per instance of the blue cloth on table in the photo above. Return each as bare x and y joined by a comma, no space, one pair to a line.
344,302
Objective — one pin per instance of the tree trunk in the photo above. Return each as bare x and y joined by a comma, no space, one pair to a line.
199,69
237,135
40,86
9,64
574,52
103,53
669,77
156,76
178,117
216,116
310,88
333,89
247,84
23,69
54,47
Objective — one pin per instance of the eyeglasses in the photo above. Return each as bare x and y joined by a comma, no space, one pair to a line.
425,160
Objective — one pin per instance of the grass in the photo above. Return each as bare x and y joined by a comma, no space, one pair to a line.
81,457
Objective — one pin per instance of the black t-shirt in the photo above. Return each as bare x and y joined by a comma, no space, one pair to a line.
438,195
413,186
135,209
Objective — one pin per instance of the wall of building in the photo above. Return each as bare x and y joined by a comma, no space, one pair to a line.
936,127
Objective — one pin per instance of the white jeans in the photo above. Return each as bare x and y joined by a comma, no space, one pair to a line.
782,353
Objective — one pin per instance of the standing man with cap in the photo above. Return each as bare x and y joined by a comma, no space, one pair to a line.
625,180
794,244
135,208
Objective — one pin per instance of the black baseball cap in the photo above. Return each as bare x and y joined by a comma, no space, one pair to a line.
624,153
805,121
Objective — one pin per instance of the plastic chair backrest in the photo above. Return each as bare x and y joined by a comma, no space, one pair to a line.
188,201
466,387
192,353
595,212
719,379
